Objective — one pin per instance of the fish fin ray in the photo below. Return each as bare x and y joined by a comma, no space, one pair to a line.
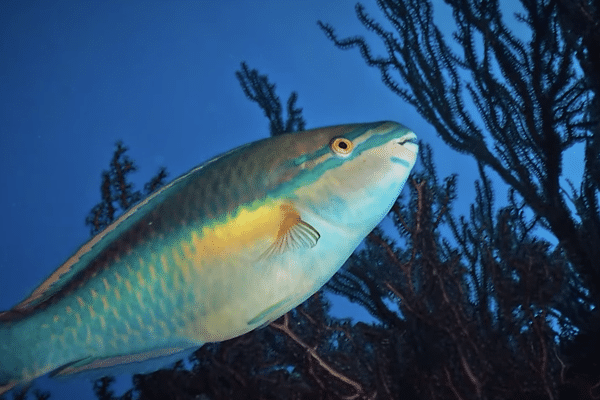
294,234
91,364
59,371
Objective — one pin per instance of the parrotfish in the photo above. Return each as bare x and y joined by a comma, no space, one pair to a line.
226,248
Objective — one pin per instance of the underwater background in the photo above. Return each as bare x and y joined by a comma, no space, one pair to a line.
78,76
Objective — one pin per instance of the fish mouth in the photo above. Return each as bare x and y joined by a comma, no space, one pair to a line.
409,141
407,153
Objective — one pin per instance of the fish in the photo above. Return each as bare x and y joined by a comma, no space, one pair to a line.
224,249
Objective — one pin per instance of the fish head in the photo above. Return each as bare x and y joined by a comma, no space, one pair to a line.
356,173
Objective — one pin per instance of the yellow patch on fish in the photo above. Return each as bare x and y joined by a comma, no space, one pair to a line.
268,226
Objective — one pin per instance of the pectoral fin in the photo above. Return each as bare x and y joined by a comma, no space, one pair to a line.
293,234
269,312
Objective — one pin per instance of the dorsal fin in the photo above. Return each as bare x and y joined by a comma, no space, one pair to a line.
86,253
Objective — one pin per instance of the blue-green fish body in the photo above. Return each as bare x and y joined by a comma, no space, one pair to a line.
226,248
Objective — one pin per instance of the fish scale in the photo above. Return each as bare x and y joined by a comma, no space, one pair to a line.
224,249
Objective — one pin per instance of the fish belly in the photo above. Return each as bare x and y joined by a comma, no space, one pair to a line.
241,291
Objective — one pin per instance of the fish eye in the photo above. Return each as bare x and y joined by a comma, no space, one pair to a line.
341,146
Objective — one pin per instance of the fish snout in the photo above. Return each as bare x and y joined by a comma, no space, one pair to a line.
405,150
409,141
